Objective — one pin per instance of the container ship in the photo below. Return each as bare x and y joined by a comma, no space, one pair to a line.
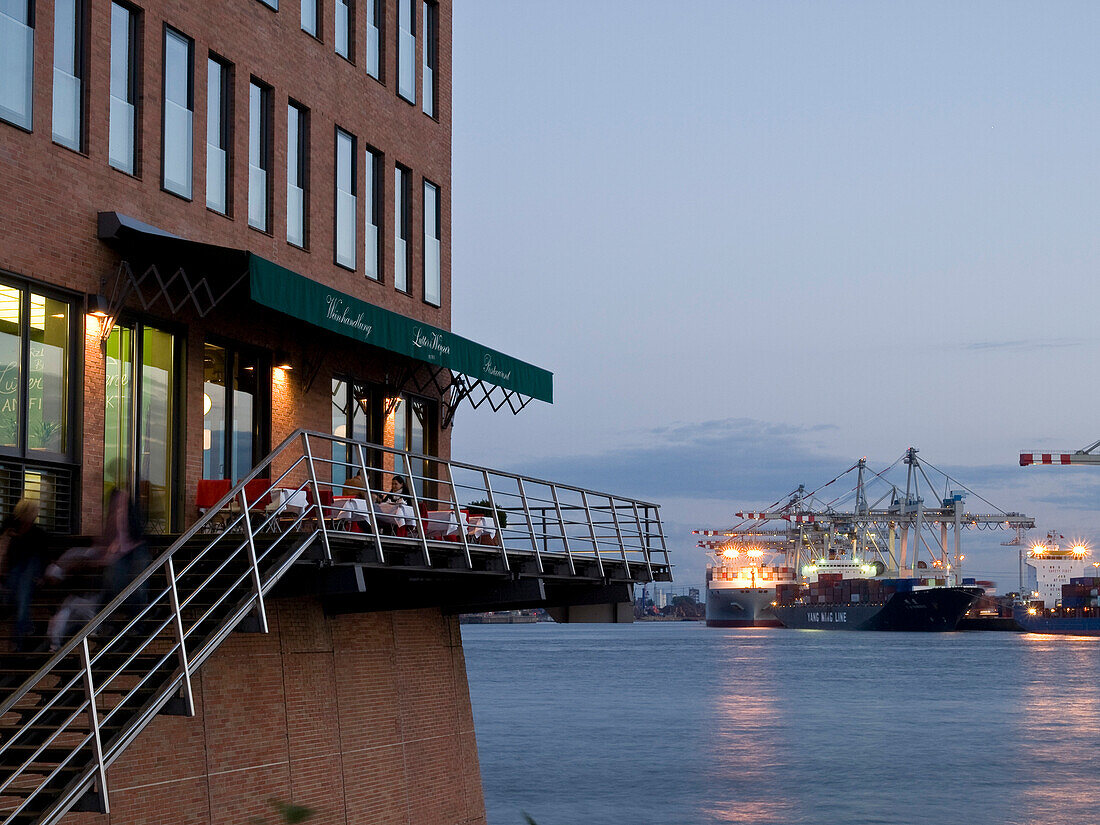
890,560
1063,600
741,585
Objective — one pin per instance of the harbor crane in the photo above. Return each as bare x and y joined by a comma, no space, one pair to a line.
1086,455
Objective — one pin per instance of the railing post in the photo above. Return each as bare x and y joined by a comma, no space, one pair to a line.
185,666
261,611
493,507
458,515
664,544
370,504
93,721
619,533
317,495
420,528
592,532
643,537
530,522
564,530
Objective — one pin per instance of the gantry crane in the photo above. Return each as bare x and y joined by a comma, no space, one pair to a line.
1086,455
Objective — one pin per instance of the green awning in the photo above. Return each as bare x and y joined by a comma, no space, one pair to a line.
280,289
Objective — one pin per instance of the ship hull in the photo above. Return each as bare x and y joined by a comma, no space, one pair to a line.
936,609
1062,625
741,607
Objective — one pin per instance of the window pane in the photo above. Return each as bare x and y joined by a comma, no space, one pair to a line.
117,408
66,73
431,245
11,306
217,156
156,425
343,36
295,191
400,257
428,71
213,419
309,16
47,385
339,429
406,51
123,122
370,246
374,38
16,62
345,200
257,157
177,115
244,416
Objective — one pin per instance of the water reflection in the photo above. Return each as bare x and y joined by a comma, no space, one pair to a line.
1056,727
743,768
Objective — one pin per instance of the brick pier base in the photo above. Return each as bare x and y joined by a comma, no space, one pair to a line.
363,718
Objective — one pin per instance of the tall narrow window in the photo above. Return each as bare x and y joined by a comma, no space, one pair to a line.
68,73
122,139
406,50
344,17
401,229
373,59
372,194
309,16
297,173
431,56
345,199
16,61
259,155
179,106
432,291
218,125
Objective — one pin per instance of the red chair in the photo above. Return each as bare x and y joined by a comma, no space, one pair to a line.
210,492
328,511
258,493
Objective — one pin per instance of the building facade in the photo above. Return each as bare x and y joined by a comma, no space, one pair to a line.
224,222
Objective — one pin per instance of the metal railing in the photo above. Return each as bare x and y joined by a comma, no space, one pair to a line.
68,721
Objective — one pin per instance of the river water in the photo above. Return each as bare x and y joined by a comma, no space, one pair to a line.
677,724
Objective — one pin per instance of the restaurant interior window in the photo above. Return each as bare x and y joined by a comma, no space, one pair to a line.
297,173
309,16
141,414
345,199
352,414
259,156
431,57
68,73
401,229
179,104
432,287
233,435
406,50
219,124
372,194
122,133
16,61
36,403
411,432
373,58
345,15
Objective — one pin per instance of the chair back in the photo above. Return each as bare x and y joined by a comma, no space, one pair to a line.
258,493
210,491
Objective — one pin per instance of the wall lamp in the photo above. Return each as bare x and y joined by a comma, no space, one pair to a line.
98,305
282,361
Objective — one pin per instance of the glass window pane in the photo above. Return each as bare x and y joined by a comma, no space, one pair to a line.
16,62
257,157
295,191
374,39
66,74
400,258
156,427
339,429
406,51
343,35
178,117
345,200
118,409
11,358
309,16
122,115
370,194
428,69
217,156
244,416
432,286
47,383
213,419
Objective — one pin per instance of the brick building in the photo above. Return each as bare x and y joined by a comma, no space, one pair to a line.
223,222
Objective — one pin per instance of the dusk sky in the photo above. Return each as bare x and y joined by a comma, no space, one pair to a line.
755,241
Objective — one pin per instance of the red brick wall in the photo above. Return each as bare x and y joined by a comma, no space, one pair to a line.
363,718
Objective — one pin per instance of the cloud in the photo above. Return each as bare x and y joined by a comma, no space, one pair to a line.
1026,344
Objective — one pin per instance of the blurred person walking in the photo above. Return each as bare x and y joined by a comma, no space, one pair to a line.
24,554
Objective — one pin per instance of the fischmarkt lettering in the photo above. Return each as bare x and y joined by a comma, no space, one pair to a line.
341,313
431,341
494,371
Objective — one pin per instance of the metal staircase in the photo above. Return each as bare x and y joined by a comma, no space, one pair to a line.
66,717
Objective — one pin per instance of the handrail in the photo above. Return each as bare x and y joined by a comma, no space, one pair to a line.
189,602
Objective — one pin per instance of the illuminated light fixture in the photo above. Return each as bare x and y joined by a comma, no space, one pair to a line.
98,305
729,553
282,361
206,405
